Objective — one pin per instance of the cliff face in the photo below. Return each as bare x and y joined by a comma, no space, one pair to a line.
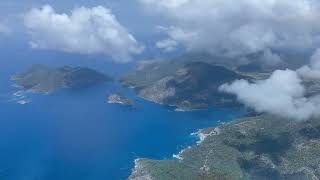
43,79
263,147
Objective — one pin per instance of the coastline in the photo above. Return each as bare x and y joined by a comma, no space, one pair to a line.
177,108
225,151
201,134
139,168
20,96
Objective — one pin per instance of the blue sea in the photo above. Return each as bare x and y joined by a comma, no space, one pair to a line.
77,135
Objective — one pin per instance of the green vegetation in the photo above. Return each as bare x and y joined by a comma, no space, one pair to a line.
43,79
188,82
263,147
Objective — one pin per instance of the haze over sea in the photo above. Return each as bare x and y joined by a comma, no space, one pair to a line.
77,134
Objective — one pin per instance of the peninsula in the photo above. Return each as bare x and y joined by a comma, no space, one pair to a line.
44,79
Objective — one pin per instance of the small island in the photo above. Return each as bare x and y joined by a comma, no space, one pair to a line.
24,101
119,99
44,79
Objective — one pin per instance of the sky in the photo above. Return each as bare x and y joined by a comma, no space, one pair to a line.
129,15
223,27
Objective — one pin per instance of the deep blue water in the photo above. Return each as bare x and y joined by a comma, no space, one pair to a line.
76,135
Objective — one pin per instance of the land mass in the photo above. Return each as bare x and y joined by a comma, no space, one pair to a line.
188,83
262,147
119,99
258,147
44,79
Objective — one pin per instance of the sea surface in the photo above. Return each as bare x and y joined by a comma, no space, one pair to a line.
77,135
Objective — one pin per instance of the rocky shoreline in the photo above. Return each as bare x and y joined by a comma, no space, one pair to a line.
261,147
119,99
185,85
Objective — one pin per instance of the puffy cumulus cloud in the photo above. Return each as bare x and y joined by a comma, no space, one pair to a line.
85,30
238,28
311,71
282,94
167,45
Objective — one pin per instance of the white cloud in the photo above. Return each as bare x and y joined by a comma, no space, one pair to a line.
237,28
166,3
167,45
282,94
270,59
311,71
85,30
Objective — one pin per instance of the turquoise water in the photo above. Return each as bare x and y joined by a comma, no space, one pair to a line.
77,135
